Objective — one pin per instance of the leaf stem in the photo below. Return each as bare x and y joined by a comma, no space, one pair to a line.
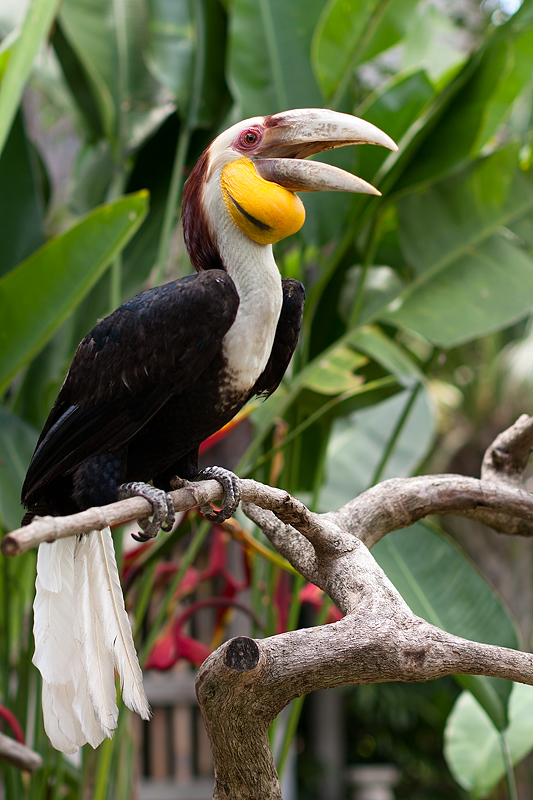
273,54
188,557
372,244
395,434
511,779
102,773
173,199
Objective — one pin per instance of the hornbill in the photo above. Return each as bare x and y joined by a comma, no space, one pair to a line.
154,379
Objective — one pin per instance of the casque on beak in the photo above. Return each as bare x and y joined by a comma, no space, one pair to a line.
291,136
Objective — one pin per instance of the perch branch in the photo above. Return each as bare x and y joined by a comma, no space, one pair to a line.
245,683
19,754
497,500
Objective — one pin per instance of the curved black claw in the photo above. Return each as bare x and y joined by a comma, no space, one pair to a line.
232,492
163,509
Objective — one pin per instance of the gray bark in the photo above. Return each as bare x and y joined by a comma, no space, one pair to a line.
244,684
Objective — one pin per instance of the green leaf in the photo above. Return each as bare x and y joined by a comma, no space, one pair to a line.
109,40
374,343
16,71
6,48
472,277
210,95
21,204
439,584
442,223
37,296
392,26
492,695
17,443
487,290
337,40
334,374
431,42
393,108
170,46
456,133
473,746
357,444
517,78
269,55
78,83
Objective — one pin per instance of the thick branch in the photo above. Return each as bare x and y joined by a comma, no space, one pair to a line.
244,685
386,507
190,495
400,502
508,455
18,754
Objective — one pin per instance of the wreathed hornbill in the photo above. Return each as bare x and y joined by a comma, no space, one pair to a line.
154,379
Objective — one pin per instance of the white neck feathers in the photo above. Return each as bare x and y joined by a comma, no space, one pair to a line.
248,343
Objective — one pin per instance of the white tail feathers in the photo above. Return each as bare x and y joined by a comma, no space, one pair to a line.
82,633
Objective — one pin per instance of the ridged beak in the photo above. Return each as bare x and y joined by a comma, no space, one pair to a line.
293,135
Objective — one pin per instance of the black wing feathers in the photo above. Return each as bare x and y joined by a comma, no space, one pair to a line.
151,348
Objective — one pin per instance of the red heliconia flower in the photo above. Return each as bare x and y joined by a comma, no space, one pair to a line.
315,597
282,600
13,723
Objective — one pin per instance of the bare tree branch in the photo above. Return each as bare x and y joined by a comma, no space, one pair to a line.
245,683
507,457
400,502
18,754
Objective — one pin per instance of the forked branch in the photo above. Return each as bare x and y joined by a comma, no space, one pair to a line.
245,683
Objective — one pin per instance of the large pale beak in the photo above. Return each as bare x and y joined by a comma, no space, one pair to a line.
292,135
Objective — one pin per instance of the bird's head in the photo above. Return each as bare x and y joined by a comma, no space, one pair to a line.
248,176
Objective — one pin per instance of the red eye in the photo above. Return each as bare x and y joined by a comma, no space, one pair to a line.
248,139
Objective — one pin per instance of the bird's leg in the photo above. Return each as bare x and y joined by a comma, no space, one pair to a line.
163,508
232,492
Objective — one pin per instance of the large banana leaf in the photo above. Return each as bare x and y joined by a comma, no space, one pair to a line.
474,748
269,55
109,39
472,274
18,61
39,294
439,584
21,201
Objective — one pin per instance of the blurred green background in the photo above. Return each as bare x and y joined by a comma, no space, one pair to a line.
417,341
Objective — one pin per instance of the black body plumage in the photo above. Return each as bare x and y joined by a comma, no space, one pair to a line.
147,385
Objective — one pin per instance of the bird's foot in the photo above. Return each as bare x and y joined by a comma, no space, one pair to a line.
232,492
163,509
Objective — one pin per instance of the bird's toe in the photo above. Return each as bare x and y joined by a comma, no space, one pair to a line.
232,492
163,514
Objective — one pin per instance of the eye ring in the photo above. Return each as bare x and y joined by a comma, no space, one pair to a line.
248,139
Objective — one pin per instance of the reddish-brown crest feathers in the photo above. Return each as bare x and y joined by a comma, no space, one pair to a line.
198,239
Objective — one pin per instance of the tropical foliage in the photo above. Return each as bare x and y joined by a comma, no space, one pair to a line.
400,289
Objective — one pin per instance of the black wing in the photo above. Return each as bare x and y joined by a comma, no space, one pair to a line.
151,348
286,339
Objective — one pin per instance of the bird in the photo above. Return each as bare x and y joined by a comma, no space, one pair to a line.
151,381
